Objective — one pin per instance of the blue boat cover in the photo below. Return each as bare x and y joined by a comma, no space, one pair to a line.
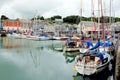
105,44
95,53
100,55
108,38
88,43
97,45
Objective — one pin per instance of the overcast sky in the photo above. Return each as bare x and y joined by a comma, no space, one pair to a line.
48,8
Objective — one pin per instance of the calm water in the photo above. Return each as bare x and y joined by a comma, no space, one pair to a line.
37,60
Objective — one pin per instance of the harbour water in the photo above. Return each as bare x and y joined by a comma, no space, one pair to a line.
22,59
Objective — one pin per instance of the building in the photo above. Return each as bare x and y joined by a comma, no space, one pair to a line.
11,24
58,20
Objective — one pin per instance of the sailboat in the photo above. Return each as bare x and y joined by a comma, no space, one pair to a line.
93,60
71,46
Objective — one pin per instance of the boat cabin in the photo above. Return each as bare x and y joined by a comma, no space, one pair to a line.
93,56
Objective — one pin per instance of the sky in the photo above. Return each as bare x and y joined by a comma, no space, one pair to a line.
47,8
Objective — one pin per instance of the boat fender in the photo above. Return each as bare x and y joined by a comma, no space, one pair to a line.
79,59
74,69
64,48
98,62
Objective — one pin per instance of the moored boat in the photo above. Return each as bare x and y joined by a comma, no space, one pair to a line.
71,46
92,62
72,49
59,38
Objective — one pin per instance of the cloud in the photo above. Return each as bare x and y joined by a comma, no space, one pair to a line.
28,8
48,8
2,2
67,8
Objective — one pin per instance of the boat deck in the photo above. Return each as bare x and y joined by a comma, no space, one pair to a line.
71,49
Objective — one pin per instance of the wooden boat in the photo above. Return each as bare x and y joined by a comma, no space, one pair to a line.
92,62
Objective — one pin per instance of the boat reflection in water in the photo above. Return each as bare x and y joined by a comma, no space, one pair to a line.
37,60
70,57
10,43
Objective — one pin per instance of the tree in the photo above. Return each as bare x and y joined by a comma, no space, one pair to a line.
41,18
117,19
72,19
38,18
52,18
56,17
3,17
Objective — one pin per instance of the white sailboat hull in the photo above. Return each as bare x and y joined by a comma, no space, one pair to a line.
93,66
89,71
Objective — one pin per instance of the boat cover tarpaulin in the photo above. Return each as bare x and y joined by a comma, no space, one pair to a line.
96,45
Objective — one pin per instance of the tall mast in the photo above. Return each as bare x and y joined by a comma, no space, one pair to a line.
103,33
93,15
110,18
81,8
80,16
99,17
110,13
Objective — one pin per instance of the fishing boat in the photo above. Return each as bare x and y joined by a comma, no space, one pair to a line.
92,62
